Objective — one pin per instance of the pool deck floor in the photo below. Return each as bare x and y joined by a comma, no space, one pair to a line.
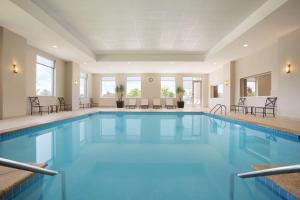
279,123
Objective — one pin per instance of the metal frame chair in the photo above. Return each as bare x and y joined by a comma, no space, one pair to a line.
35,103
269,105
62,104
241,104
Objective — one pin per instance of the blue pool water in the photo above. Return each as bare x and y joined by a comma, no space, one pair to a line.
149,156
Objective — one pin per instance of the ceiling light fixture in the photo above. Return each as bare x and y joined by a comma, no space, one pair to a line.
245,45
54,46
215,63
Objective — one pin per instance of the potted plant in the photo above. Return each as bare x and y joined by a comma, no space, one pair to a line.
180,92
120,93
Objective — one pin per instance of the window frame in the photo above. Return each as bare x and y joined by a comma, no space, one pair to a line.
101,90
133,76
168,76
53,68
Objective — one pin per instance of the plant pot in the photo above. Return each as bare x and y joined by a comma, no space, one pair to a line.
120,104
180,104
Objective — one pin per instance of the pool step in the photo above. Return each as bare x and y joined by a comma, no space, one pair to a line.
285,185
13,181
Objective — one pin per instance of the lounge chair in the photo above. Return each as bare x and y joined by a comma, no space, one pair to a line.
83,104
131,103
170,103
35,103
93,104
62,104
157,103
269,105
241,104
144,103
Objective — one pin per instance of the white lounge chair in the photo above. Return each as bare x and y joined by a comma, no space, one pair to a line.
156,103
144,103
131,103
170,103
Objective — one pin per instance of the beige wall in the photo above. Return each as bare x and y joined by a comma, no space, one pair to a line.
274,59
150,90
72,84
13,89
289,84
223,76
31,76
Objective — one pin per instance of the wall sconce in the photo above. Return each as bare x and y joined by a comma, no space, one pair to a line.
75,82
288,69
15,69
226,82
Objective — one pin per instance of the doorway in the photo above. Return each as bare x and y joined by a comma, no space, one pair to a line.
197,92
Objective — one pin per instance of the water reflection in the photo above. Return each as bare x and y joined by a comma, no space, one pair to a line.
44,148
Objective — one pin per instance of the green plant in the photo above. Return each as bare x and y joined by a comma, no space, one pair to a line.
166,92
120,91
134,93
180,92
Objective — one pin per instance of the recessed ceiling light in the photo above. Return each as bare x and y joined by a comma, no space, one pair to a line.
128,63
54,46
84,63
215,63
245,45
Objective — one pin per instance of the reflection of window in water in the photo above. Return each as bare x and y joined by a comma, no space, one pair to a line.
167,127
133,127
82,132
107,127
44,147
191,126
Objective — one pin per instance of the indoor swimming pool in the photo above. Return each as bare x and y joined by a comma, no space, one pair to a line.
146,156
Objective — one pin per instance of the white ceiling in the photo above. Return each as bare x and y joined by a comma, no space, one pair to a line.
145,26
163,36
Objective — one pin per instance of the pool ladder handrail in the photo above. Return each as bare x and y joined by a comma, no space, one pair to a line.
273,171
27,167
218,107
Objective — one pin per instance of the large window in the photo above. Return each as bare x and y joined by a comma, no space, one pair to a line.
257,85
83,84
167,86
44,76
108,86
188,88
133,86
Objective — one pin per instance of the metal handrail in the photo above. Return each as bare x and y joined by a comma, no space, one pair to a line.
218,106
273,171
27,167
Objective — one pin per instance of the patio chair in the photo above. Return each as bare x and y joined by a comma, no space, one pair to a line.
157,103
241,104
83,104
170,103
62,104
131,103
93,104
144,103
269,106
35,103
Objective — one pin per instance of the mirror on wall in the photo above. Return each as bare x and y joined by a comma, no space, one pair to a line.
257,85
216,91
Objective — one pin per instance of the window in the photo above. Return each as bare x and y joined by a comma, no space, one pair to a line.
44,76
188,87
83,84
167,86
108,87
216,91
257,85
133,86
